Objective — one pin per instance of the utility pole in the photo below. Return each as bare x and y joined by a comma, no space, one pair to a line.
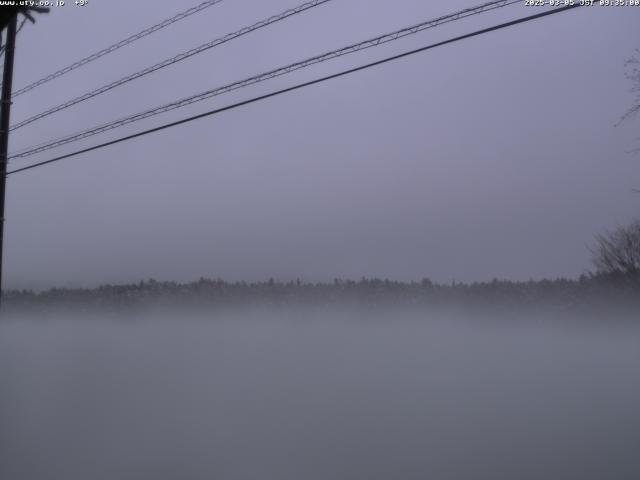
5,113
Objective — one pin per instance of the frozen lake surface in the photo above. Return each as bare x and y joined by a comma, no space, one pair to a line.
318,394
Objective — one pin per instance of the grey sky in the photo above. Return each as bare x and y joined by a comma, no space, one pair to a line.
492,157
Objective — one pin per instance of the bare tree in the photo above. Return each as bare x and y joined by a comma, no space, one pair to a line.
632,72
618,252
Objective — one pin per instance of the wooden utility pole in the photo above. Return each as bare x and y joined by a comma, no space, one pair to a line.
5,115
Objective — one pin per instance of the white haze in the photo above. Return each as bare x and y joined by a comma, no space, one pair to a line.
317,394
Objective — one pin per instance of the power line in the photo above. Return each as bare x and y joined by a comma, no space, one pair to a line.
298,86
373,42
118,45
170,61
350,49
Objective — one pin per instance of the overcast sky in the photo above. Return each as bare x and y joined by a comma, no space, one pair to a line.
492,157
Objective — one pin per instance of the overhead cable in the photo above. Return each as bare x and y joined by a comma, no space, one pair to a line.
118,45
170,61
296,87
373,42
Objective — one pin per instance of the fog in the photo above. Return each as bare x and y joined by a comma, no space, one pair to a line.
493,157
317,393
385,275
